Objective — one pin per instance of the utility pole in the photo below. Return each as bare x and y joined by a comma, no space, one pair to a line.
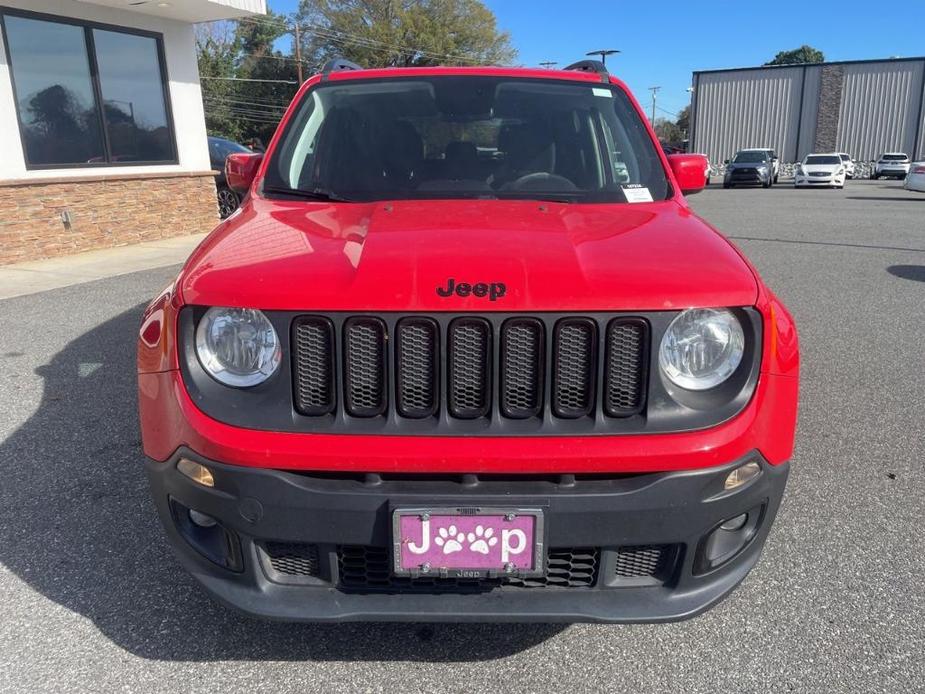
654,91
548,64
603,53
298,52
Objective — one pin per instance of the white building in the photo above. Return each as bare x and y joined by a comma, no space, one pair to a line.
102,130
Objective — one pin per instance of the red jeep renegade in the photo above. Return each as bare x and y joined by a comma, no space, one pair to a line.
465,353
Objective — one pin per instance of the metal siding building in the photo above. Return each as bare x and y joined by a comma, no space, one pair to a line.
864,108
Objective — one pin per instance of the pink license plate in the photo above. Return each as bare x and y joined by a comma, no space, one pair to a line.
444,542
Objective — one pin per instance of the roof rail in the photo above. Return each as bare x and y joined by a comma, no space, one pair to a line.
591,66
336,65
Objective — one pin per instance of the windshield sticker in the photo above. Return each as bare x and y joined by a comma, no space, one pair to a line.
635,192
600,91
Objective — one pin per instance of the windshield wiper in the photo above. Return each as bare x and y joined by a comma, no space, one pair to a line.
315,194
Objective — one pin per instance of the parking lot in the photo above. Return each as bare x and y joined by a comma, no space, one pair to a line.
92,598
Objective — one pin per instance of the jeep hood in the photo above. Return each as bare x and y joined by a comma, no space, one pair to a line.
392,256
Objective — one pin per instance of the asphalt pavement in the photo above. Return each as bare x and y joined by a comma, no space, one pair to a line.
91,598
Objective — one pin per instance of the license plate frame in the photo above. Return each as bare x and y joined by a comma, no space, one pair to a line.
537,569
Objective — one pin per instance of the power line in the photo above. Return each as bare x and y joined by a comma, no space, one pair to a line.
248,79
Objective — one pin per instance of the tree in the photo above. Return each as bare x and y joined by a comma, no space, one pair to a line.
798,56
403,33
668,132
246,83
684,120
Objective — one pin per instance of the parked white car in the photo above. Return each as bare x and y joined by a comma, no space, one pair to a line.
817,170
849,164
916,178
893,164
772,155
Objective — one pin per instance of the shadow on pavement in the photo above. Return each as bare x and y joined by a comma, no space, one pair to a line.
916,273
77,525
884,198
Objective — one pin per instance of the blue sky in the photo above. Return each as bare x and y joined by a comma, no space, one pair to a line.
663,42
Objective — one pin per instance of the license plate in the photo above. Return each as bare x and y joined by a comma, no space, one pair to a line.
468,543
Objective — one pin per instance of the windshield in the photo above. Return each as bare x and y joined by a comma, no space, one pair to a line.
894,157
822,159
466,137
750,158
845,157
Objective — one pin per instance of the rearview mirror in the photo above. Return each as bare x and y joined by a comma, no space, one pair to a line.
689,171
241,169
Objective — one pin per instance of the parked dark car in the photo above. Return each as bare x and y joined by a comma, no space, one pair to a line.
749,167
219,149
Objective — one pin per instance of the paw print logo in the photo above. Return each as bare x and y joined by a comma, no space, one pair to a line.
449,539
481,540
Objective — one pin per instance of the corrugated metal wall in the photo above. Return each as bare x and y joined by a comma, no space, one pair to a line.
757,108
880,109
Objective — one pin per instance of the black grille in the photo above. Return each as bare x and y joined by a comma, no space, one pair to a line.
313,342
469,379
292,558
417,367
471,374
522,368
643,561
364,367
626,367
368,569
574,368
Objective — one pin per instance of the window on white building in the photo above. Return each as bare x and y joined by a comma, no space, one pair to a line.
88,94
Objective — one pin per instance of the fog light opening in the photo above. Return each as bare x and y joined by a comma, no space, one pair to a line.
202,520
730,525
741,475
200,474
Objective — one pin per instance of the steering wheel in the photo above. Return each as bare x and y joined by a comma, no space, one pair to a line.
541,180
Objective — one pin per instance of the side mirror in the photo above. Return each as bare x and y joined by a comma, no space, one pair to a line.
241,169
689,171
725,161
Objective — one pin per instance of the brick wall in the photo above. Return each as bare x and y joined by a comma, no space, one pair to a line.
105,212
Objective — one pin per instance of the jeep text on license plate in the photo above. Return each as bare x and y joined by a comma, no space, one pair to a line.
468,543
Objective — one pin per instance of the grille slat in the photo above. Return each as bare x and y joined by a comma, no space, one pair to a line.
625,367
521,368
574,368
313,341
364,367
588,370
417,367
469,363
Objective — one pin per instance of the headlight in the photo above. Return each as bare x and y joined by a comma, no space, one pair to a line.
701,348
237,346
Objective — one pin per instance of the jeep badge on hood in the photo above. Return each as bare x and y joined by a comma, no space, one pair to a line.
493,290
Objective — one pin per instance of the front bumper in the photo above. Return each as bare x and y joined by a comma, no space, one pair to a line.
747,176
800,181
314,547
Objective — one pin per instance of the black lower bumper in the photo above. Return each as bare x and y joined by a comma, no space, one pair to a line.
315,547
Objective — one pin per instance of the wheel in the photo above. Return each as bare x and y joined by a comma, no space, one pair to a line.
227,202
768,184
727,185
875,176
